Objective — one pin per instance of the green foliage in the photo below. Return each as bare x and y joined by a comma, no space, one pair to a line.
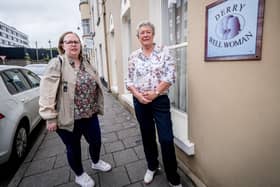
27,57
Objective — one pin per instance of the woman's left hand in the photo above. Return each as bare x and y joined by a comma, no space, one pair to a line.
150,95
51,125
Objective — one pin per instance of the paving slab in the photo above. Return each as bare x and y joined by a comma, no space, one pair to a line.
46,165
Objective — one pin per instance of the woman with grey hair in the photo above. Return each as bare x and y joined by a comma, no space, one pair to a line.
151,71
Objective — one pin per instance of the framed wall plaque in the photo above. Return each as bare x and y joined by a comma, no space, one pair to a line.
234,30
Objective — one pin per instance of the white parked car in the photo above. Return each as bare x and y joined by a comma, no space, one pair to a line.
19,105
39,69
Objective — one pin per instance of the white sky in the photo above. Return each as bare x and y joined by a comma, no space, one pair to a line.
42,20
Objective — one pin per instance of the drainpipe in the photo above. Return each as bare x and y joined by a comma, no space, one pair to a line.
106,44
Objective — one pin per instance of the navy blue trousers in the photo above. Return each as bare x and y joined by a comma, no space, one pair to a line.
89,127
152,116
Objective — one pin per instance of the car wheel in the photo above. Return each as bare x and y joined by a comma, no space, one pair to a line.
20,143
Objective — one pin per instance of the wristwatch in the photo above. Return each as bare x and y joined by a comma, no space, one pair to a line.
157,92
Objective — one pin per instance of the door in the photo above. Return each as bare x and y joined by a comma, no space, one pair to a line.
25,96
34,81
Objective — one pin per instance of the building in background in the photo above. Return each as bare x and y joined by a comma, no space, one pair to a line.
87,26
91,16
225,113
11,37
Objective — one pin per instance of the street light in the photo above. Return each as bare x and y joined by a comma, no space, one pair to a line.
50,48
36,44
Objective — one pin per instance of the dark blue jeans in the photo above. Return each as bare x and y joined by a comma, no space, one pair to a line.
157,115
89,127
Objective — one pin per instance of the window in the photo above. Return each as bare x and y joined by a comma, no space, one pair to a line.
175,25
32,77
15,81
10,86
86,26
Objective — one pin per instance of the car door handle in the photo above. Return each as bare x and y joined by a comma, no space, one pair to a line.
24,100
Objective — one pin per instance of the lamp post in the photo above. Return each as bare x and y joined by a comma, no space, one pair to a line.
50,48
36,44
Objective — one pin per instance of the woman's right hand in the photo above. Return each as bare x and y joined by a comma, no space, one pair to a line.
142,99
51,125
139,96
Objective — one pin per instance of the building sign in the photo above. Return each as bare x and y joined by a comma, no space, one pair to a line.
234,30
88,43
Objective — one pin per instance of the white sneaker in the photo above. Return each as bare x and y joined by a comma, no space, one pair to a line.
149,176
102,166
84,180
179,185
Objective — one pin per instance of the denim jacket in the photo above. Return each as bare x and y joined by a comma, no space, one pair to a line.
57,92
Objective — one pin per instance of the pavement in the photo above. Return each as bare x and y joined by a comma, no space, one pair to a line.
46,164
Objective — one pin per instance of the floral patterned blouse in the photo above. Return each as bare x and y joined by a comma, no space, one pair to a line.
145,73
85,94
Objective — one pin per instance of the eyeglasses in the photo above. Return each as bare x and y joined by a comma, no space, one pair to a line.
75,42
